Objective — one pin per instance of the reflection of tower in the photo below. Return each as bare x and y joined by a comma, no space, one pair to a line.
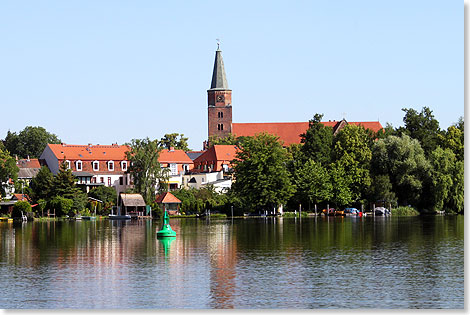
219,99
223,253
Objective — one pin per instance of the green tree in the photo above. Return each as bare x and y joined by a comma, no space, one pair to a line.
262,179
317,141
404,161
352,148
453,139
8,170
455,202
229,139
20,208
381,189
107,195
171,140
145,169
60,206
64,182
41,184
421,126
31,141
341,185
313,182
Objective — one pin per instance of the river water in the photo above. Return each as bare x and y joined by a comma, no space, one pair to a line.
308,263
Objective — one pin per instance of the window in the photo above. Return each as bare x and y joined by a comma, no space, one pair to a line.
109,181
67,163
96,166
102,180
221,126
93,180
174,169
220,114
121,180
110,166
78,165
203,180
124,165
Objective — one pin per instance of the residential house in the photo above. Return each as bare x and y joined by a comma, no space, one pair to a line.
28,169
213,167
178,164
93,165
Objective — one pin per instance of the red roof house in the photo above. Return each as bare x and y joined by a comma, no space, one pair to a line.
177,160
169,202
215,159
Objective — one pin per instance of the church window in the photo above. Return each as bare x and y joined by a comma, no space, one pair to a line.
221,126
220,114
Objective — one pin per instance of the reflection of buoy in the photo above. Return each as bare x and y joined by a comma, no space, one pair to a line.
166,242
166,230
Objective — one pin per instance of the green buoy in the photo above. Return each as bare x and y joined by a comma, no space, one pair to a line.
166,230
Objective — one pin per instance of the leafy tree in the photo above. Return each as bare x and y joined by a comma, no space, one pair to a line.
453,139
103,193
262,179
229,139
60,206
385,132
341,185
8,170
381,189
313,182
421,126
171,140
145,168
19,208
31,141
455,201
442,163
352,148
317,141
403,160
41,185
107,195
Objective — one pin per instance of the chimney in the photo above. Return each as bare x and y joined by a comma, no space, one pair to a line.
28,158
172,149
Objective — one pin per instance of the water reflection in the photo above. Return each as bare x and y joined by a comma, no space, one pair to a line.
324,262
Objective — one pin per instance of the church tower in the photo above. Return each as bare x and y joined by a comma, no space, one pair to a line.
219,100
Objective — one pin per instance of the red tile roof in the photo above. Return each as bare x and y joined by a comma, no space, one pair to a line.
175,156
24,197
167,198
290,133
89,152
219,152
31,163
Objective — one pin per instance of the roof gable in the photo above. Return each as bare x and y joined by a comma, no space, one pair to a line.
167,198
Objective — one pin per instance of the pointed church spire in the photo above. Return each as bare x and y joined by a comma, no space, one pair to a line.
219,79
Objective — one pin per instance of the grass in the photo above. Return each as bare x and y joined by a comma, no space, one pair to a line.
405,211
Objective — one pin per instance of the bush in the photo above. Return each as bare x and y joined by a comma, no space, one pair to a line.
21,207
405,211
293,214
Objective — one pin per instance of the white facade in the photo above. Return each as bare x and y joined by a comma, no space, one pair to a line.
200,180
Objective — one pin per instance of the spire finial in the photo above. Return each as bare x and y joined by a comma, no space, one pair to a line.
218,43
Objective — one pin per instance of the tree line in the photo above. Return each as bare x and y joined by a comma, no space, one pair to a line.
417,165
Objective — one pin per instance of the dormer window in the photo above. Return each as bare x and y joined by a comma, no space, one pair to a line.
124,165
96,166
67,163
78,165
111,166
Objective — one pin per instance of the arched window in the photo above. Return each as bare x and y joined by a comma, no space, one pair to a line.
221,126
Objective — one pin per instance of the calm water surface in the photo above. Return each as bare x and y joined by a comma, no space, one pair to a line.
350,262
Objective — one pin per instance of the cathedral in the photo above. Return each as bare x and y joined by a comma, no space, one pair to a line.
219,100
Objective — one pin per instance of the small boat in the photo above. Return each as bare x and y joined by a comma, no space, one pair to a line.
119,217
88,218
382,211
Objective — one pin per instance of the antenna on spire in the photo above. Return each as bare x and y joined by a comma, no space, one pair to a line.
344,115
218,43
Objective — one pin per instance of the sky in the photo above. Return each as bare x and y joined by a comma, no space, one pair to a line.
103,72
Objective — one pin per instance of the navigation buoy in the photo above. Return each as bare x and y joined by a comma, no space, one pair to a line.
166,230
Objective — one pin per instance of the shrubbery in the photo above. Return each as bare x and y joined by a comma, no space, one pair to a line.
21,207
405,211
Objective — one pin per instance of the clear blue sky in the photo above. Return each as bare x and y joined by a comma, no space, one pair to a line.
110,71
